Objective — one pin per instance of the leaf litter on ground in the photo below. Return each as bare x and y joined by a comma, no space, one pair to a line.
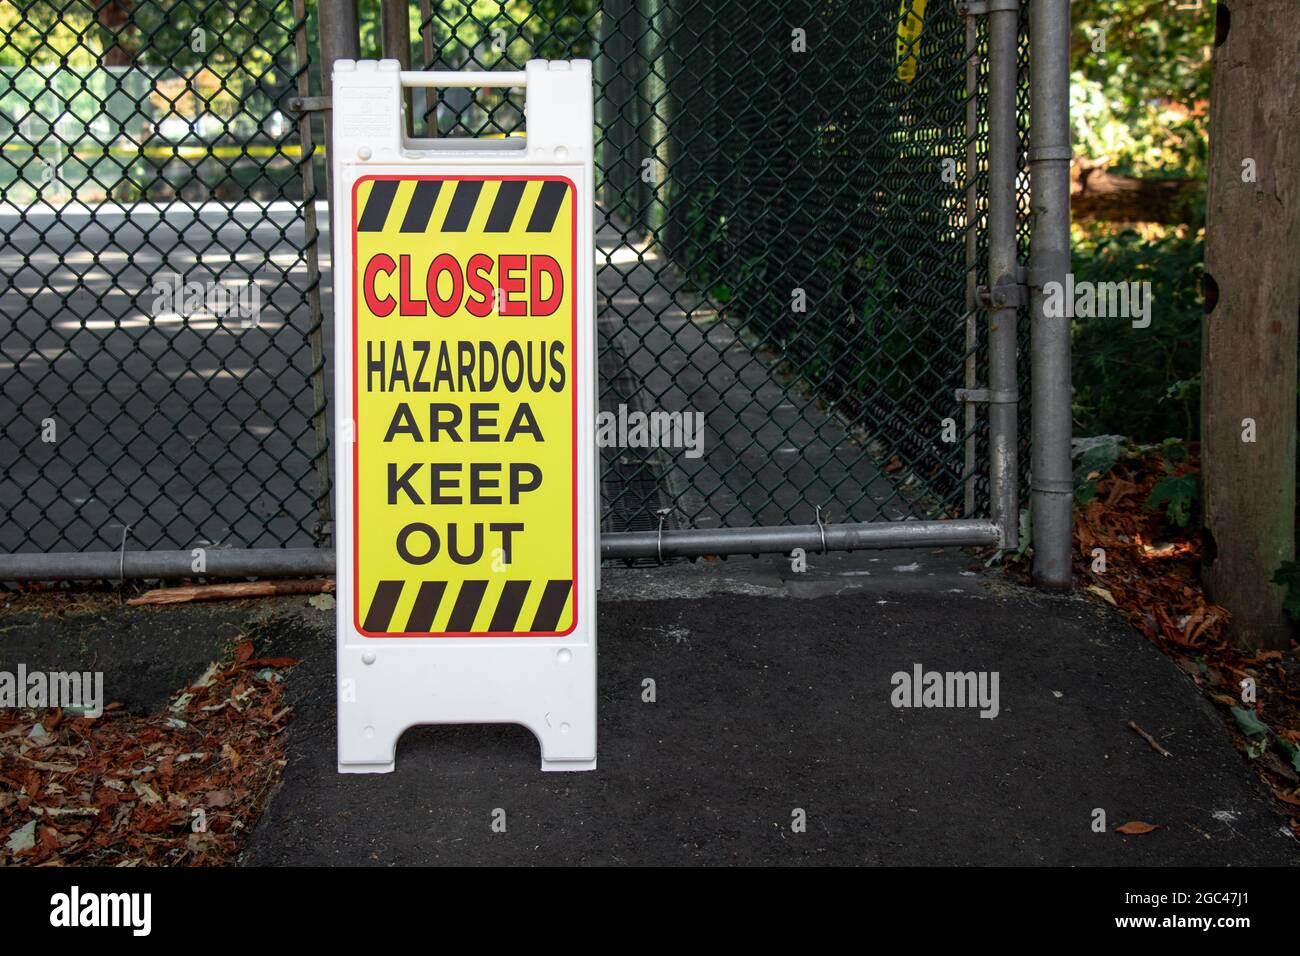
180,787
1151,576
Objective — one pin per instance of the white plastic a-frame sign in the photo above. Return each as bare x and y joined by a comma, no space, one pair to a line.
464,404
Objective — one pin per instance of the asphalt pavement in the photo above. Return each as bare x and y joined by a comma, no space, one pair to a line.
773,735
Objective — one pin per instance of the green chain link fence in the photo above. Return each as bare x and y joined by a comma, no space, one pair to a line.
789,238
159,305
785,243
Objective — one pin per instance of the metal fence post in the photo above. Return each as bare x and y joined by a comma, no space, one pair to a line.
311,236
972,316
1003,26
339,40
395,31
1049,165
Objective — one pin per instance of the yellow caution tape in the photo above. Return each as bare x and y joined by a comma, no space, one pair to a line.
911,18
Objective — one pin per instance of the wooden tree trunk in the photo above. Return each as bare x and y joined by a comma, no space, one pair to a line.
1248,359
1098,194
115,17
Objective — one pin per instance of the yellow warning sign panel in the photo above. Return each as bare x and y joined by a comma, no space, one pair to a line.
465,458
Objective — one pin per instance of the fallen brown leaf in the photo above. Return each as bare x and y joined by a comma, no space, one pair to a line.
1263,656
1104,594
1136,828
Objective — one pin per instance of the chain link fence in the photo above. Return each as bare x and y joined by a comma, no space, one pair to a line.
790,234
160,305
792,196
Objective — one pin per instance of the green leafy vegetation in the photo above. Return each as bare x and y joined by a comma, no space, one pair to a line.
1140,84
1142,382
1177,492
1093,459
1262,737
1140,89
1289,576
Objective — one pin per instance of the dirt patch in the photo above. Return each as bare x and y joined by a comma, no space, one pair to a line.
57,601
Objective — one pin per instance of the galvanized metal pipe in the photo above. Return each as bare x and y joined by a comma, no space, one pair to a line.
1051,491
1003,24
971,369
783,539
315,336
339,37
339,40
395,41
163,565
686,543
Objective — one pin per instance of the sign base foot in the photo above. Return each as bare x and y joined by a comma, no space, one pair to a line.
562,765
367,767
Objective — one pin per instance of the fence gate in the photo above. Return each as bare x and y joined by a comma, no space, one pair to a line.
811,215
161,345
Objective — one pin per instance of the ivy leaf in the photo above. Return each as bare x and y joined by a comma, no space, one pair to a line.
1291,750
1173,449
1250,725
1289,575
1094,457
1177,493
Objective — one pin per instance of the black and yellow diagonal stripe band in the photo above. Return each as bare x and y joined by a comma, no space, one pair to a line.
460,205
507,607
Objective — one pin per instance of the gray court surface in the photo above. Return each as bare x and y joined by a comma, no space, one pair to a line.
192,429
772,694
196,430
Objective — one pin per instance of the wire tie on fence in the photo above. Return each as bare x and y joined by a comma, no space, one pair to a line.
821,527
121,557
659,544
